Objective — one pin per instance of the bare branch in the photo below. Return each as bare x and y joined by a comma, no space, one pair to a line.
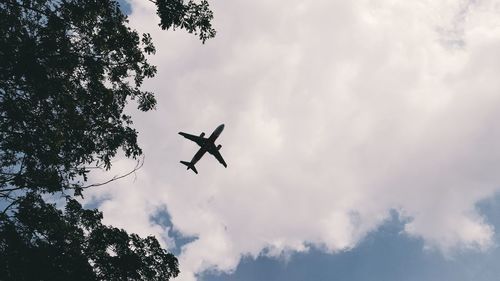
138,165
10,189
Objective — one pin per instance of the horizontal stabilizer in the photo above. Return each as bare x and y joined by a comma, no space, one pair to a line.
190,166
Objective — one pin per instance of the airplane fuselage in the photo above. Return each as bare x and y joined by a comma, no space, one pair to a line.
216,133
208,145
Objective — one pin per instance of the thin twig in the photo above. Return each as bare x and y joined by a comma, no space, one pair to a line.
137,167
11,189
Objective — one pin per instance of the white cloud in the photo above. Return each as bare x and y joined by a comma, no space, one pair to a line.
336,112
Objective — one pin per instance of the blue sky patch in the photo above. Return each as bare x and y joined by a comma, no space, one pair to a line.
386,254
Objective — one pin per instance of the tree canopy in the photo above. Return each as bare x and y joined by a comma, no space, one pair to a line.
75,245
68,68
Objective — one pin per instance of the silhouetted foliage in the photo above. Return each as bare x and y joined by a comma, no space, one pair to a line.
67,72
195,18
68,68
40,242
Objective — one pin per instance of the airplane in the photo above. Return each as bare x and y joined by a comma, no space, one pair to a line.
206,144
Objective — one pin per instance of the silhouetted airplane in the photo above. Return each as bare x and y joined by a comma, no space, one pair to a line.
206,144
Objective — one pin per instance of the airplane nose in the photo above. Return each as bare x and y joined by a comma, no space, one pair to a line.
222,126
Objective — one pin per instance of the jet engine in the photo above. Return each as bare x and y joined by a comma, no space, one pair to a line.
202,134
219,147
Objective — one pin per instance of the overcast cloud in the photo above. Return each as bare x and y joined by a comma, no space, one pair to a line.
336,112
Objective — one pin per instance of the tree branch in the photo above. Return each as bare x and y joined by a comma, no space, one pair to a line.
139,164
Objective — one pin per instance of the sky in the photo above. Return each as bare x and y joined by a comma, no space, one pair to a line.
361,139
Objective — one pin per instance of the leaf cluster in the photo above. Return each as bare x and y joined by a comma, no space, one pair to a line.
194,17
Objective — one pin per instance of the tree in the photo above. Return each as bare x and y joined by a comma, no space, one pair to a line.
75,245
67,70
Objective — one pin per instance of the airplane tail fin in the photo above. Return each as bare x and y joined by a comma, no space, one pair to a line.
190,166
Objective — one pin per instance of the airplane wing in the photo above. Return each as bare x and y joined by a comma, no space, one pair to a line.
197,139
217,155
